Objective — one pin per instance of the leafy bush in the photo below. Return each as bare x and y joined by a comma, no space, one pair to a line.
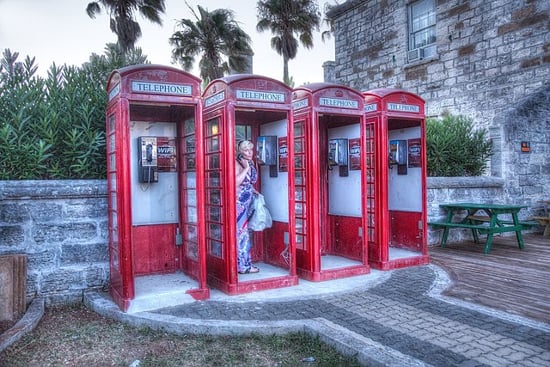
50,128
54,127
456,148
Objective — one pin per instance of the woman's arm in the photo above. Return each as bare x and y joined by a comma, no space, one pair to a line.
241,172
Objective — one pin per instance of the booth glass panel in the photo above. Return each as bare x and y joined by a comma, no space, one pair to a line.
300,184
213,162
215,248
189,191
214,190
189,127
112,162
214,214
112,143
113,182
369,182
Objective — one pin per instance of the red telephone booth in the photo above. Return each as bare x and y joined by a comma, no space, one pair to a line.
333,193
156,242
258,109
398,120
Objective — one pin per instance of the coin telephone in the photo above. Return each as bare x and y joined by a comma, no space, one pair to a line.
338,152
398,156
147,159
338,155
266,153
398,152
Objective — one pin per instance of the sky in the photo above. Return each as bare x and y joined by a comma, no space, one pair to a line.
60,31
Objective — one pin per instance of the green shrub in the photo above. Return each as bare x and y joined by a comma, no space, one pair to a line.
54,127
50,128
455,148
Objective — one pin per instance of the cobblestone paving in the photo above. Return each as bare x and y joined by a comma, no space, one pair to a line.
399,314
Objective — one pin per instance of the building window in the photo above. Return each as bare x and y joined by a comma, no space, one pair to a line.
421,30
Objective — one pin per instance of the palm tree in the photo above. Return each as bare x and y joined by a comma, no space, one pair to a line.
215,35
121,14
285,19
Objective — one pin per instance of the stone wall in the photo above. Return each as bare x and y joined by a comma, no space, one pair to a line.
492,65
62,228
490,54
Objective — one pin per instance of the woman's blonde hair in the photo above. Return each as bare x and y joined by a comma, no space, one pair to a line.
244,144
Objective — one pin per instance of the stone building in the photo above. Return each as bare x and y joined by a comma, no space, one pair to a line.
487,60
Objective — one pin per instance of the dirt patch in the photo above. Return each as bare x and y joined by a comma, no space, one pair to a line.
76,336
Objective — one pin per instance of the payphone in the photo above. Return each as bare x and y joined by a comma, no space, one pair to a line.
398,156
398,152
266,149
147,159
338,155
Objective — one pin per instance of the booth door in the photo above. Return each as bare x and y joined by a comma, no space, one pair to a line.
214,196
301,188
187,238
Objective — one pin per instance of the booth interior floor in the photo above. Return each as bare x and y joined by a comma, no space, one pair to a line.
400,253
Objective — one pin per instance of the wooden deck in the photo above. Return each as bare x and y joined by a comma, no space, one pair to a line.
507,279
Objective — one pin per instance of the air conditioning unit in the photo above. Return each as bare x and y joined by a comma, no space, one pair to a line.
415,54
422,53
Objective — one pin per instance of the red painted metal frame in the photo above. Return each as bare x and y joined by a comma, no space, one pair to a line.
121,231
309,105
222,98
378,112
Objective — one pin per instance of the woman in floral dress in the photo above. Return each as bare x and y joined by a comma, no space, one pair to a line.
246,176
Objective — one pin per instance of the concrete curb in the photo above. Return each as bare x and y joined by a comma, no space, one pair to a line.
26,324
367,351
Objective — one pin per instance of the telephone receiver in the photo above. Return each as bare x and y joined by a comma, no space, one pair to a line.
149,152
240,156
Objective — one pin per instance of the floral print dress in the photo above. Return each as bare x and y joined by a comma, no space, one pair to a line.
245,193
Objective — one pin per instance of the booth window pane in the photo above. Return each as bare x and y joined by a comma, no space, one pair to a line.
114,236
189,126
112,143
213,144
299,146
213,162
298,129
112,162
214,214
112,182
191,214
192,251
215,248
213,179
243,132
112,123
213,127
190,233
215,231
299,162
190,144
214,197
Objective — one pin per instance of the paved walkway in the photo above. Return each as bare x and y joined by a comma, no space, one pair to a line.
399,321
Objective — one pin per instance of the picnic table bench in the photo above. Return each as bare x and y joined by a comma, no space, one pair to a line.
483,219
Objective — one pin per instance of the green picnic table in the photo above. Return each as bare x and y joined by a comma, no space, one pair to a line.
483,218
